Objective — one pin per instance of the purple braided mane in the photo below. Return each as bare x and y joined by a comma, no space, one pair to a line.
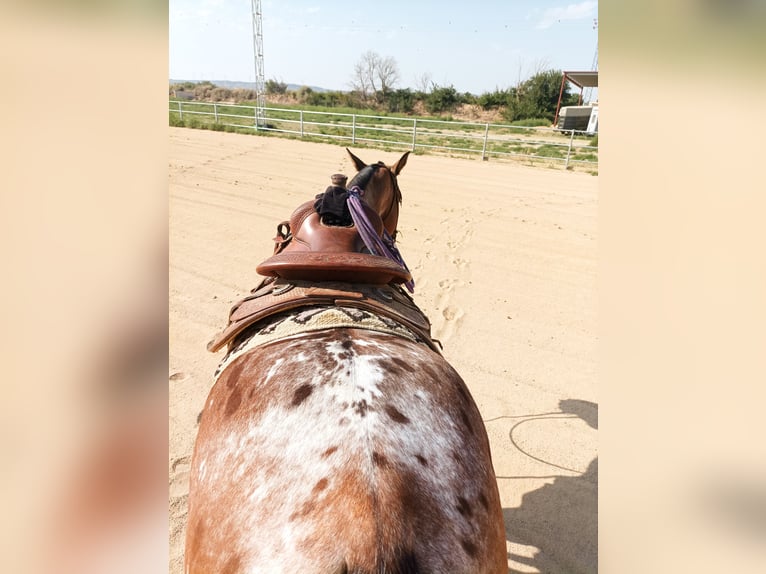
384,247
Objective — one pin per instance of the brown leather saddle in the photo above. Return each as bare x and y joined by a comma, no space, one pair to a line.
319,252
326,265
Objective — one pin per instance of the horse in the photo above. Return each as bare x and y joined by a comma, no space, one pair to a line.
336,438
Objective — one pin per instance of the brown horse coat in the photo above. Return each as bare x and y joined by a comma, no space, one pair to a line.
343,451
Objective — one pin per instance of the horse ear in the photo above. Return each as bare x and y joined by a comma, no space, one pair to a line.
399,165
360,165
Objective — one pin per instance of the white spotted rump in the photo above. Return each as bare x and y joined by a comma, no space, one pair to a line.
341,451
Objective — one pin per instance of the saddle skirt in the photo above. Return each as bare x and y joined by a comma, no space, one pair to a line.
275,296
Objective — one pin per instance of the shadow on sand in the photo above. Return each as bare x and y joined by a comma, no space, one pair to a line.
559,519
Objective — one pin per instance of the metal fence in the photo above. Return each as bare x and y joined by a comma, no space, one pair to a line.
569,148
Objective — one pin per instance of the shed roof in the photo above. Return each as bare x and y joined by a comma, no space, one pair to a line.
583,79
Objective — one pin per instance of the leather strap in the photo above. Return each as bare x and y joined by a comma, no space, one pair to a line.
277,296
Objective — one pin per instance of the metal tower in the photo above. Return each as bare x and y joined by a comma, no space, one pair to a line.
594,66
258,55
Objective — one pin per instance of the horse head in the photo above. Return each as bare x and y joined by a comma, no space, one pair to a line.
381,189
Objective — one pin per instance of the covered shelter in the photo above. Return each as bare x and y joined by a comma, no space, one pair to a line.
581,80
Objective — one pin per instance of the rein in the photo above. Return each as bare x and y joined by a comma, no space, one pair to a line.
384,247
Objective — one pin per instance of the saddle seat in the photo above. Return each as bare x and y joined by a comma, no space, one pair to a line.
310,250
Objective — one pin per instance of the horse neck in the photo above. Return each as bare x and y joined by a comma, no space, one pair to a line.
381,195
392,219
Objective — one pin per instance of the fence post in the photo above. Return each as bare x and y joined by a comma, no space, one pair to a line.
414,132
180,110
353,129
215,111
569,150
301,123
484,149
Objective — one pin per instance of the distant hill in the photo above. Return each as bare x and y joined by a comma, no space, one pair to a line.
246,85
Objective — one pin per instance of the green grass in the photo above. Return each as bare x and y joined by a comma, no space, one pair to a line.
532,123
467,139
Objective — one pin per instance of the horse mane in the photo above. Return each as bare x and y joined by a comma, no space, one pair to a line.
363,177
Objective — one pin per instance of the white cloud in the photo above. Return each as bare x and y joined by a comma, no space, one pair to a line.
579,11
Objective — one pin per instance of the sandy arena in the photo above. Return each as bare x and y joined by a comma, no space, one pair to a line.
504,258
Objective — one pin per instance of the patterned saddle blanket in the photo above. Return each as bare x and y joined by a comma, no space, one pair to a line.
390,304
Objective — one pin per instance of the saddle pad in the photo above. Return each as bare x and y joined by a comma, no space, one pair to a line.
277,296
313,319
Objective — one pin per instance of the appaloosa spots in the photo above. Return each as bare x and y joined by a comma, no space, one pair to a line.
394,366
331,419
469,547
329,451
301,394
360,407
320,486
379,460
348,350
463,507
396,415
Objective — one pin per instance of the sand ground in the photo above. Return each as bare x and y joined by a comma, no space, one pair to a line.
505,261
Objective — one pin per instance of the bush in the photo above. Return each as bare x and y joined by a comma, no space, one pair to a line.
494,100
243,95
328,99
303,93
442,99
275,87
220,94
202,91
401,101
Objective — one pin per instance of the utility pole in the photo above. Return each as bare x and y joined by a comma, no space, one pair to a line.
260,84
594,65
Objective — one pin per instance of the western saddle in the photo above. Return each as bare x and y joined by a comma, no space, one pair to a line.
318,264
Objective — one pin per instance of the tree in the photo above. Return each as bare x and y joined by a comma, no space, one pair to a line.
275,87
374,75
424,83
537,97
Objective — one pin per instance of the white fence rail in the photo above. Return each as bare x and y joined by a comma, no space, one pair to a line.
570,147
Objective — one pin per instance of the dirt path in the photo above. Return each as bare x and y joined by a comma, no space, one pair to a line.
504,257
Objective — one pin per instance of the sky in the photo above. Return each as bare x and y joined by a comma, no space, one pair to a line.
475,46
